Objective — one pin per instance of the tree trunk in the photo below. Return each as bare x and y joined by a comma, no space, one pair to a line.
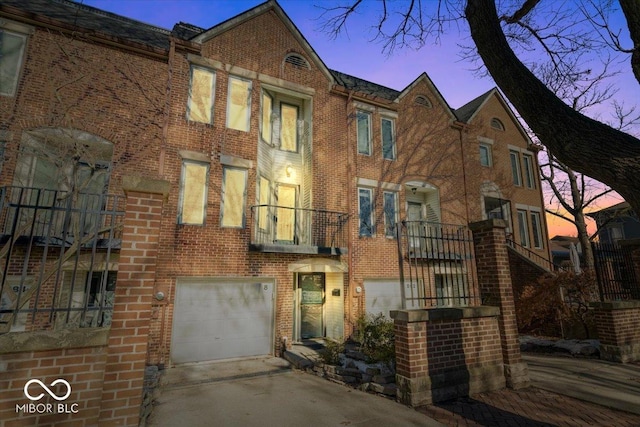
583,144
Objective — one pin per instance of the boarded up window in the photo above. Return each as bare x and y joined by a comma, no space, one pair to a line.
263,201
265,126
289,135
201,95
239,104
11,52
193,193
233,196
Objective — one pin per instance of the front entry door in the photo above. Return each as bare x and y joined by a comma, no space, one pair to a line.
311,302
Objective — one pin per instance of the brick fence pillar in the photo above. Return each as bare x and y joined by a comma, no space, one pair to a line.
128,336
494,280
412,370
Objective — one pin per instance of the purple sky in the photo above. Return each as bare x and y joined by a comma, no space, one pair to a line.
354,52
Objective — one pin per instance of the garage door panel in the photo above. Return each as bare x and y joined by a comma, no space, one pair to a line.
382,296
220,320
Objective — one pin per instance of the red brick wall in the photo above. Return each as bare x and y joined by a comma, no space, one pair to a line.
618,326
83,368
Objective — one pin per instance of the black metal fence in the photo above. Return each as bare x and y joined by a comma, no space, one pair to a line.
437,265
58,257
284,225
616,273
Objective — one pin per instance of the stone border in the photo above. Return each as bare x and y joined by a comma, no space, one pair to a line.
17,342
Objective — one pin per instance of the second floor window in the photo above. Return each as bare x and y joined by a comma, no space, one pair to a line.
390,213
239,104
234,187
364,132
537,230
388,139
365,207
523,228
485,155
192,205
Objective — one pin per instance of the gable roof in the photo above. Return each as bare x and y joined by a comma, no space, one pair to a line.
270,5
424,77
467,112
91,18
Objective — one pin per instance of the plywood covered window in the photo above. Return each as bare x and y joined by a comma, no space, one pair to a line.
239,104
289,129
193,192
264,197
201,95
266,126
234,186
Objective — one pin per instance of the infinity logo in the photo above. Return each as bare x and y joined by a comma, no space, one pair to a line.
47,389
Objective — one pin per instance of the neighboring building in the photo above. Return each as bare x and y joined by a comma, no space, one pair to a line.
287,178
561,251
616,222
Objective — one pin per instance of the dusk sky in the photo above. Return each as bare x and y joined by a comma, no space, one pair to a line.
354,52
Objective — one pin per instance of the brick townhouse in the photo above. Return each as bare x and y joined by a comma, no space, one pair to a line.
287,179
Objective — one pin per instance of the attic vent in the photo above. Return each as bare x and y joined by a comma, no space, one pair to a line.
297,61
423,100
497,124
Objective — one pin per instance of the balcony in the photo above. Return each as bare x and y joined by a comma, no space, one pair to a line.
283,229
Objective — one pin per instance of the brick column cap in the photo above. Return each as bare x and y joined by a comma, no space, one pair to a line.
615,305
630,243
487,224
141,184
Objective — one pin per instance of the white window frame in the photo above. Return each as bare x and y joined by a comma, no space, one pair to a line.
247,122
486,147
184,185
514,156
223,203
360,114
266,122
536,226
371,233
14,74
212,95
529,180
523,228
389,228
393,137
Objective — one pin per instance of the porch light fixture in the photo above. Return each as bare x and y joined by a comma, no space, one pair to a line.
289,170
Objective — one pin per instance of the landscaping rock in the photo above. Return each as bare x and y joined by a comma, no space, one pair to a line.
386,389
384,379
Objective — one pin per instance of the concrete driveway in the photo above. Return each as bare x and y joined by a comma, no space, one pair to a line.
264,392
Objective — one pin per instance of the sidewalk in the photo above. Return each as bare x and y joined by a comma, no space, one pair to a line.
565,391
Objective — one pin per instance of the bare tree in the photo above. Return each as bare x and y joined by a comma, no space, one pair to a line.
509,43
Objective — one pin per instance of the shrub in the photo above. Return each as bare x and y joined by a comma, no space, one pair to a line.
331,352
562,297
376,337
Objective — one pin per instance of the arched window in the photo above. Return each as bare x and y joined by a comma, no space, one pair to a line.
497,124
423,100
297,60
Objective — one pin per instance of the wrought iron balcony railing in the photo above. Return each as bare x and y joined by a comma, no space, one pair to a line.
298,230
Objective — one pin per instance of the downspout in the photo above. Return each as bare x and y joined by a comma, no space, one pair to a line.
350,180
464,174
167,108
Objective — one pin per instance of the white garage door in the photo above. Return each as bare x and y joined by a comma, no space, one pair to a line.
221,319
382,296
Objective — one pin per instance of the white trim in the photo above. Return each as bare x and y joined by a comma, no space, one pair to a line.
234,161
205,62
485,140
194,155
366,107
366,182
